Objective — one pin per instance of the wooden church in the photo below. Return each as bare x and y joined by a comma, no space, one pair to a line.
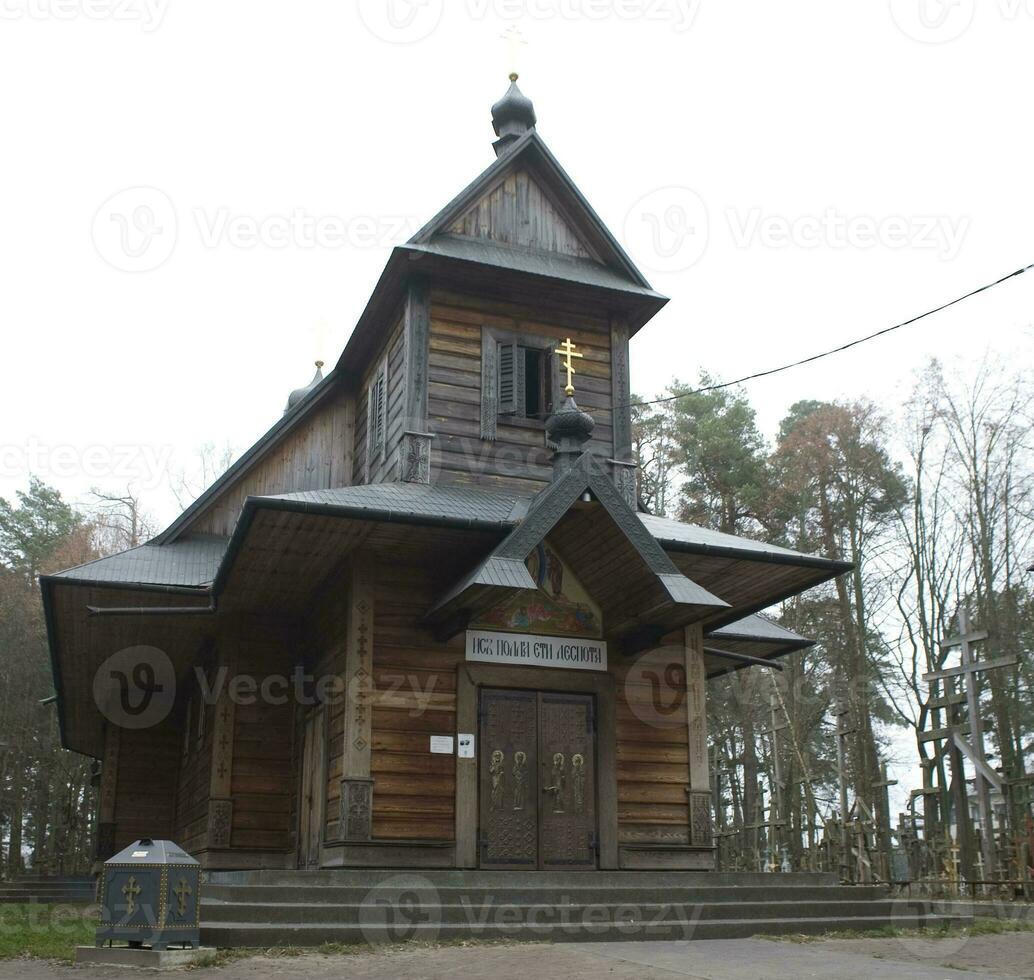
423,622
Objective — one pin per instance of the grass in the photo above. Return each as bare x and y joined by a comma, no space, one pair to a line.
46,931
979,927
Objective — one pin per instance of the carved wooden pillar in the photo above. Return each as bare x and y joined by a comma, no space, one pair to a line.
107,794
220,797
356,815
700,827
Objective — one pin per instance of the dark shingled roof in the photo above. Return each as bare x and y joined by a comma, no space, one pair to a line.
535,263
396,501
190,562
702,540
757,628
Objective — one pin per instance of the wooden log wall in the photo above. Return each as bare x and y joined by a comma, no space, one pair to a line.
145,794
415,697
192,794
653,747
383,469
517,459
315,455
263,783
327,629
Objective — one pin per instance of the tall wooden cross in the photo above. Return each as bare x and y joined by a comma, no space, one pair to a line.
986,777
778,815
841,711
567,350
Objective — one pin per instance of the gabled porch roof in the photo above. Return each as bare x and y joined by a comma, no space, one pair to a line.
666,599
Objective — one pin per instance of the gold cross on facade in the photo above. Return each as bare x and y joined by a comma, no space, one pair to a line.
182,892
130,890
566,350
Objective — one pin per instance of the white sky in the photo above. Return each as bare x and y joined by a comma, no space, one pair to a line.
724,125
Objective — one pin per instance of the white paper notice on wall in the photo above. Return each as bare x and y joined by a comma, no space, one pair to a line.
441,744
466,746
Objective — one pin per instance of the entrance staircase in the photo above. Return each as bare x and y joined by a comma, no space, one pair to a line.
45,888
309,908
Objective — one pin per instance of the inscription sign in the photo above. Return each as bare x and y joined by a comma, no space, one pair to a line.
536,651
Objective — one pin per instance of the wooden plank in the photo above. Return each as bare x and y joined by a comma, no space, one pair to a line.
977,665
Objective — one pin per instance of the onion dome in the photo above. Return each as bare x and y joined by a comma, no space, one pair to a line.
300,393
512,116
570,428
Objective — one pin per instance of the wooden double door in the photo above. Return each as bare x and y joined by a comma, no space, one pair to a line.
537,781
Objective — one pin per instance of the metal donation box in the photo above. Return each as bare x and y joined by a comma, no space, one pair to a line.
150,896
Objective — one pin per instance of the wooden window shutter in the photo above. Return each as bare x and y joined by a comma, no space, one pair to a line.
382,410
509,355
371,429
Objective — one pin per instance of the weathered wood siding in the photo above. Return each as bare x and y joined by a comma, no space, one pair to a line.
327,631
316,455
653,748
520,213
193,790
383,469
263,782
415,697
145,794
517,458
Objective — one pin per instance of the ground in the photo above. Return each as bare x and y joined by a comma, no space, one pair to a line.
991,949
972,957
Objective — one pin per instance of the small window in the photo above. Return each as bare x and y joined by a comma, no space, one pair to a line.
519,378
536,383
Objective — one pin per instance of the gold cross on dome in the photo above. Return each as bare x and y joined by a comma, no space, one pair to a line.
566,350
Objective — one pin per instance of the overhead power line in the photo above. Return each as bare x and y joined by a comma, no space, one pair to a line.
837,350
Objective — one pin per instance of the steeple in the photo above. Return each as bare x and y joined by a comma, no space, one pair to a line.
512,116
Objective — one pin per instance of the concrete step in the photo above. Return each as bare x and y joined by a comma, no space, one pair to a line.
403,929
536,879
585,892
474,912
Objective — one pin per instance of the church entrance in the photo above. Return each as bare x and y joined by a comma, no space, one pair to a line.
537,795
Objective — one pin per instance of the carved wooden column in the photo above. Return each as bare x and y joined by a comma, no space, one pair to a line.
356,815
700,827
107,795
220,796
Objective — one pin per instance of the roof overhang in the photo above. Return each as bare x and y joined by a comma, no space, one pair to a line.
652,596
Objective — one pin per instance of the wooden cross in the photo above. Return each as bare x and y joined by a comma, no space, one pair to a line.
841,711
968,669
130,890
514,39
182,892
567,350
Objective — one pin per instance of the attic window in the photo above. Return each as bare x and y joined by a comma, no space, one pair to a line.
519,379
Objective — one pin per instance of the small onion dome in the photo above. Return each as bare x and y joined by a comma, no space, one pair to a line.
570,427
513,115
299,393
